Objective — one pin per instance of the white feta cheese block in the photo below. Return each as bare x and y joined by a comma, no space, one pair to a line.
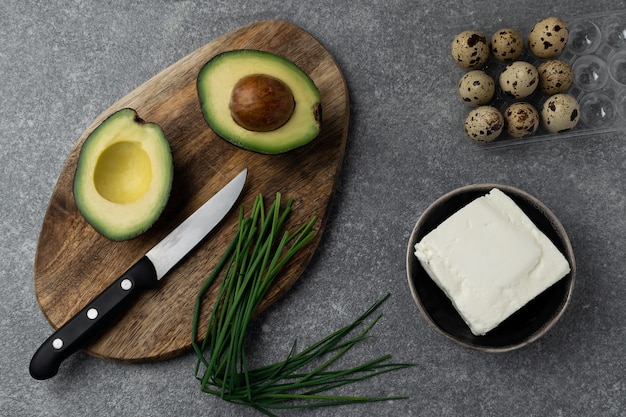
490,260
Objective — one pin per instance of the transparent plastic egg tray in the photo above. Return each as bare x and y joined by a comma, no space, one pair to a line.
596,51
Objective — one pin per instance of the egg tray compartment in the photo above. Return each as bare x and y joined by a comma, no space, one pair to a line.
596,51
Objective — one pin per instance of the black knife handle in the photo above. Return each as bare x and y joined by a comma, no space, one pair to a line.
91,320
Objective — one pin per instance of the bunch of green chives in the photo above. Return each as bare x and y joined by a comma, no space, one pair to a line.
249,266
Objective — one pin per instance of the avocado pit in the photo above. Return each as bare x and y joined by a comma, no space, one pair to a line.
261,103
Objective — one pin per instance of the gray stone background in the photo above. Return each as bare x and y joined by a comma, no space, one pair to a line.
63,62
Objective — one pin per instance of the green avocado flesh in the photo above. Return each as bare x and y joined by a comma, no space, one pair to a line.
124,176
217,80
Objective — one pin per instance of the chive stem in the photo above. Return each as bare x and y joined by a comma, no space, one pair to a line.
248,268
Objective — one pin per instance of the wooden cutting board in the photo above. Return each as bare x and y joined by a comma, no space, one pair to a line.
74,263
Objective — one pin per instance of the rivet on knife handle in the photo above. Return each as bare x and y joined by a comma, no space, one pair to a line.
92,319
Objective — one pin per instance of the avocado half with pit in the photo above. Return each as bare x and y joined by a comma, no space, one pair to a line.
259,101
124,176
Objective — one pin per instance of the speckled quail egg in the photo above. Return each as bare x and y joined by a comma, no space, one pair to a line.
477,88
548,37
470,49
519,79
484,124
560,112
555,76
521,119
507,45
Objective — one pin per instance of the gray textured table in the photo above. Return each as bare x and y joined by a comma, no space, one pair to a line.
63,62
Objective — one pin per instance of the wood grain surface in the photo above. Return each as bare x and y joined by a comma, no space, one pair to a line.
74,263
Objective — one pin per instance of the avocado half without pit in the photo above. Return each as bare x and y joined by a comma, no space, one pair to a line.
123,176
259,101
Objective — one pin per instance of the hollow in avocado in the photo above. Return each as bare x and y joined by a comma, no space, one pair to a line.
124,176
259,101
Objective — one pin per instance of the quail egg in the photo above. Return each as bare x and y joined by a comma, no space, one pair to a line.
477,88
470,49
548,37
555,76
560,112
521,119
484,124
507,45
519,79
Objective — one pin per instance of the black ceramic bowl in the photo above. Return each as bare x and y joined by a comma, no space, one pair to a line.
527,324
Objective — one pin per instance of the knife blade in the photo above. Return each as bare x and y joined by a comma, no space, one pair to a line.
145,274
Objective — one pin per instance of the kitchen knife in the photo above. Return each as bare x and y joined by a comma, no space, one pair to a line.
143,275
